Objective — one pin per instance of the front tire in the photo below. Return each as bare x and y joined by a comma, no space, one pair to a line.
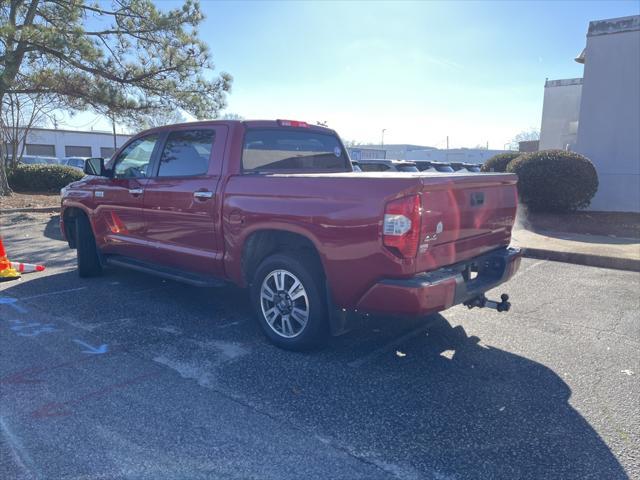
87,252
288,298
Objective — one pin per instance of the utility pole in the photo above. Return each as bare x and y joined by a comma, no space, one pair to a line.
382,141
113,125
447,154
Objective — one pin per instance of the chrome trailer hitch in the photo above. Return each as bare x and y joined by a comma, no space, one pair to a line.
483,302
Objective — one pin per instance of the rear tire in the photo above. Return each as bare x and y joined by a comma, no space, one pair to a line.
288,296
87,252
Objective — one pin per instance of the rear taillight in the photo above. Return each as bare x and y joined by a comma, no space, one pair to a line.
293,123
401,226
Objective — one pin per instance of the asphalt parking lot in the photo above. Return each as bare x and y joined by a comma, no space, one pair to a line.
131,376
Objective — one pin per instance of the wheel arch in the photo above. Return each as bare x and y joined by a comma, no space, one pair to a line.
265,242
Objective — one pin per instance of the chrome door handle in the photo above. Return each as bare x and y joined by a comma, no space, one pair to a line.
203,195
136,191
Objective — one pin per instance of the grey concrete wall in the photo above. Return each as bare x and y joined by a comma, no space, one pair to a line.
609,125
560,114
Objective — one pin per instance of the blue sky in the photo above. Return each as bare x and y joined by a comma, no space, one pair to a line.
423,70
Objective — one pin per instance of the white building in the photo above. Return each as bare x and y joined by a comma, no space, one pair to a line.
398,151
601,117
466,155
560,114
358,153
418,152
70,143
609,128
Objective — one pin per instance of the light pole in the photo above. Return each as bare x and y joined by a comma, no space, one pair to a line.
382,142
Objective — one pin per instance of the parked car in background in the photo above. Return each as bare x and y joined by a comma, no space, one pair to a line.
75,162
275,206
38,160
431,166
465,167
384,165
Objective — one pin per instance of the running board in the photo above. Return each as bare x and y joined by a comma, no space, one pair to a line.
164,271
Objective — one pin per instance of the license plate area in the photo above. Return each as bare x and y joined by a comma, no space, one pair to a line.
485,271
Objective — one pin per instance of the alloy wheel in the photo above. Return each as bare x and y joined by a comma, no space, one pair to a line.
284,303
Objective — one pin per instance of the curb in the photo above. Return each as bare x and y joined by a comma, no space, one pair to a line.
30,210
617,263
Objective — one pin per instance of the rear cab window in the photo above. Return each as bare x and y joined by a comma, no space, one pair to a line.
293,150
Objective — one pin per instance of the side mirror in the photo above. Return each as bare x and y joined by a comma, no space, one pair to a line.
95,166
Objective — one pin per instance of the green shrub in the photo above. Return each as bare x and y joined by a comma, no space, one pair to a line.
499,162
41,178
555,180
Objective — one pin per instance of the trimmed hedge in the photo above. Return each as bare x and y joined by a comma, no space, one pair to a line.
555,180
41,178
499,162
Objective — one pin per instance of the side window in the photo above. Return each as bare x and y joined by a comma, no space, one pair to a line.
186,153
134,161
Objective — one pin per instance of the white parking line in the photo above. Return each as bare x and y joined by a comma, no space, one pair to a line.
53,293
19,452
530,267
393,345
150,289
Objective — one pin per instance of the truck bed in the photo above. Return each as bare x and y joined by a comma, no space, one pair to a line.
463,215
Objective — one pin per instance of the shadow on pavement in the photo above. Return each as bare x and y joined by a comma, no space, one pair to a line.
52,228
447,407
451,406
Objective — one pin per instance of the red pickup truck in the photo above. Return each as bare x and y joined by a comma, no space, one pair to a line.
276,206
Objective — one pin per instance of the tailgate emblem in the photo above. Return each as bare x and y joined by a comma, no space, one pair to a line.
439,230
477,199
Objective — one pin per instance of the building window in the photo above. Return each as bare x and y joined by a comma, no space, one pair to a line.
41,150
107,152
77,151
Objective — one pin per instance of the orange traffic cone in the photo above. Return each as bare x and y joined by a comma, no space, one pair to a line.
26,267
7,272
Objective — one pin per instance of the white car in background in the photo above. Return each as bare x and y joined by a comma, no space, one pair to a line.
465,167
384,165
431,166
75,162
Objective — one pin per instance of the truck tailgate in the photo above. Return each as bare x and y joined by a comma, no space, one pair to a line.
465,216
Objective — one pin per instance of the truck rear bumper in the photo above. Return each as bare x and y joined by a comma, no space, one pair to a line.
440,289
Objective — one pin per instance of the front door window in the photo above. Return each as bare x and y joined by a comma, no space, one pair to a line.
135,159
